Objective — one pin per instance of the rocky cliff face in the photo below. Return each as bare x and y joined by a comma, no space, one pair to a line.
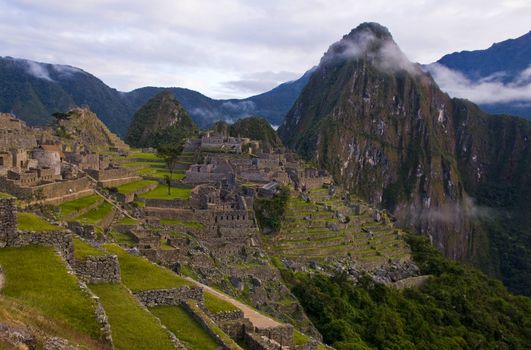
161,119
386,131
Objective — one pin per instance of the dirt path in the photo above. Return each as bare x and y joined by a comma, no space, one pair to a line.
257,319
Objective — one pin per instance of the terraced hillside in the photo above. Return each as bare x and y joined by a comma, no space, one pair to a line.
323,230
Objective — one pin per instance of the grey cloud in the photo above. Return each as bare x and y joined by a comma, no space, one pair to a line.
38,70
490,89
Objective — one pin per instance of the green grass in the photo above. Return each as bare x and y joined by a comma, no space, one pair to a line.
82,249
132,326
299,338
5,195
134,186
185,327
215,304
76,205
190,224
37,276
161,192
128,221
164,245
32,222
139,274
144,156
122,238
96,215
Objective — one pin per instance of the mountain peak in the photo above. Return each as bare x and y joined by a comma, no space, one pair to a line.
376,30
373,43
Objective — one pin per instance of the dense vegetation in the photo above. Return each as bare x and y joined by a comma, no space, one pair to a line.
160,121
458,308
256,128
270,211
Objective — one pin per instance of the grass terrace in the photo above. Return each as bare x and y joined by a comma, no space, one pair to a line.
185,327
161,192
215,304
133,187
70,207
5,195
36,276
122,239
96,215
133,327
32,222
128,221
139,274
82,249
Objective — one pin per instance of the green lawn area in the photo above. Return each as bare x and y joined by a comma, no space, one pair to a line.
82,249
161,192
32,222
37,276
191,224
122,238
180,323
128,221
5,195
133,328
140,274
143,155
76,205
134,186
94,216
215,304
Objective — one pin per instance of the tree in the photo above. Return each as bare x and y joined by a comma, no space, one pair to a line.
170,154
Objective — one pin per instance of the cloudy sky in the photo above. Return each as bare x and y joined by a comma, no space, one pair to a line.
237,48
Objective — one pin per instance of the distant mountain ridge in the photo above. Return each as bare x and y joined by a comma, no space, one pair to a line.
497,78
33,91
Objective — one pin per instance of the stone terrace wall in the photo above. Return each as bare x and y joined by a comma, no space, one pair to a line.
171,296
60,240
281,334
163,203
8,221
98,269
51,190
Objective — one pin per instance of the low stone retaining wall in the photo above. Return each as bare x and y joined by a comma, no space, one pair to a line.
8,221
98,269
282,334
225,316
83,230
171,296
164,203
61,240
209,326
255,341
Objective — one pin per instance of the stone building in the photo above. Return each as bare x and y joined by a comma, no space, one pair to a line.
49,156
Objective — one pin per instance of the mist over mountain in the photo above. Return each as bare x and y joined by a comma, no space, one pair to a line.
442,166
33,91
497,78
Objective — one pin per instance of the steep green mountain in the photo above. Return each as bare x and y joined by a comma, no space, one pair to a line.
160,120
33,91
255,128
386,131
504,64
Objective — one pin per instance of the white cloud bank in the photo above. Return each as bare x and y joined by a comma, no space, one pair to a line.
487,90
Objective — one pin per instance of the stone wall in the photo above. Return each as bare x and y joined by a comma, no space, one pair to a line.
50,190
83,230
225,316
163,203
98,269
8,221
282,334
171,296
61,240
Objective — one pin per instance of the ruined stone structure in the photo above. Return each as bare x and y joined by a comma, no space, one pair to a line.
171,296
8,221
49,156
98,269
221,143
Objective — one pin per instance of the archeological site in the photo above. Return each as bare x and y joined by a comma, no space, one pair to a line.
191,236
